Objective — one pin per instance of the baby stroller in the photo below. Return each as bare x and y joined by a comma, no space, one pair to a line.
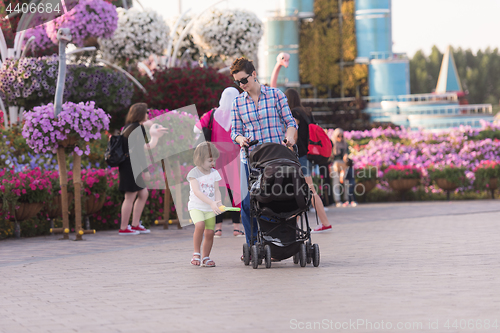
278,195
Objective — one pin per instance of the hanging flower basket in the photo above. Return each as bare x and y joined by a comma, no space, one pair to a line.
54,207
365,186
27,210
403,185
88,18
138,35
70,141
93,204
76,125
446,185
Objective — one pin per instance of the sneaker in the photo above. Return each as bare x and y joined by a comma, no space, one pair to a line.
322,229
141,229
338,204
128,232
354,204
345,204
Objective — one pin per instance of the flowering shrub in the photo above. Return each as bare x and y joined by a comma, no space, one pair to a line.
195,51
178,87
42,45
109,89
228,33
138,35
29,186
29,82
42,130
398,171
485,171
451,173
487,131
188,42
95,181
423,149
366,173
89,18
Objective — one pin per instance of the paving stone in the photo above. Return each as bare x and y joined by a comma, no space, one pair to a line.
398,263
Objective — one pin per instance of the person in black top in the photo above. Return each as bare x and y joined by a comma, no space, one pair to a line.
303,118
131,186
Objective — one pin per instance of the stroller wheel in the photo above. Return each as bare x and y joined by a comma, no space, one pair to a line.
309,251
267,251
296,258
315,255
255,256
303,255
246,254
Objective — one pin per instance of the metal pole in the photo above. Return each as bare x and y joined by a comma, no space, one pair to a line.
64,36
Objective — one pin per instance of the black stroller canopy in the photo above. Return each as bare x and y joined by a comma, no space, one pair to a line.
271,151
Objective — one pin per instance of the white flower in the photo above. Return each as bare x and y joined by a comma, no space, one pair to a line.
139,34
228,33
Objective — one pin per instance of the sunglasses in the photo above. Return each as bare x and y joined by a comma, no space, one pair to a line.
242,81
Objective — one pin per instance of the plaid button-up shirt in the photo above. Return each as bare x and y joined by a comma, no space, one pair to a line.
268,122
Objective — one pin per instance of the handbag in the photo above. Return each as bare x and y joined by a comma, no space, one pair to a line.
206,131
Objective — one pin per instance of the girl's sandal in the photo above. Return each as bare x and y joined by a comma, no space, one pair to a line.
218,233
196,261
238,233
206,261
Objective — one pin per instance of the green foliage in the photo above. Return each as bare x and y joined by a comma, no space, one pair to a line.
485,173
324,44
451,174
175,88
396,172
479,73
367,173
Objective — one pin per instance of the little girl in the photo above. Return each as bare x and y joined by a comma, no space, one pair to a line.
204,200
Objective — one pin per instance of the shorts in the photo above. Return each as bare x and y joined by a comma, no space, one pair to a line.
306,166
207,217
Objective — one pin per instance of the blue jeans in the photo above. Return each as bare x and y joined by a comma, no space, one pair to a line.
245,206
350,189
306,166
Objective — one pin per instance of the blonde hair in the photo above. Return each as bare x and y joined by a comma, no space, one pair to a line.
337,132
203,151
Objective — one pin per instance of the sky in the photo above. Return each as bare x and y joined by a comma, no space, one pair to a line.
416,24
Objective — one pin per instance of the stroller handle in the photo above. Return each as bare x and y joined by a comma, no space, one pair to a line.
250,144
295,148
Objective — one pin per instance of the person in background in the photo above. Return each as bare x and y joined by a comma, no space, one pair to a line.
340,152
347,177
221,137
135,189
303,117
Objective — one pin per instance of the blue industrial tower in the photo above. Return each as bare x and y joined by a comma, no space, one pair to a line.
389,97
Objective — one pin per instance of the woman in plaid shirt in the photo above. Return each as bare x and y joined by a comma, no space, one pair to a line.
259,113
